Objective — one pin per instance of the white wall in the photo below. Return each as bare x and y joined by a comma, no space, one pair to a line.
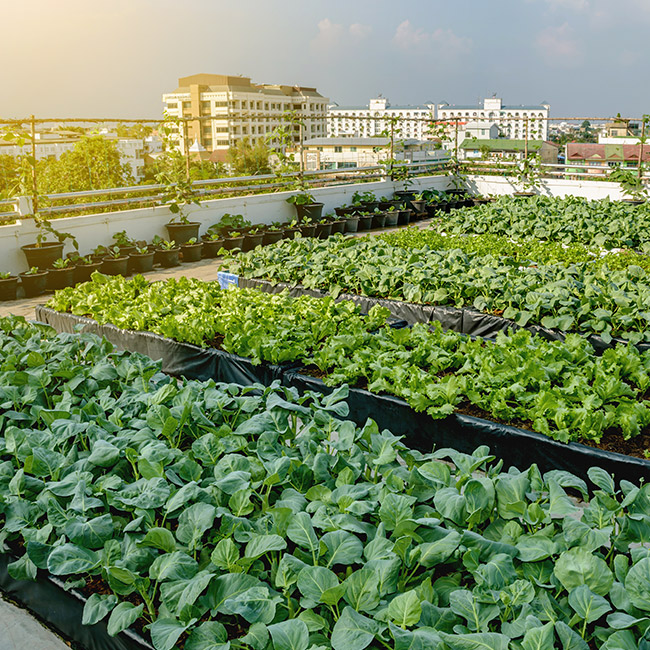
144,223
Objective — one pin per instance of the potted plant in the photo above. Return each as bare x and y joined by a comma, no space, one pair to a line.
292,229
84,267
338,223
418,202
115,263
34,281
141,260
230,222
404,215
213,242
253,238
323,229
43,253
99,253
178,193
61,274
126,244
308,228
365,220
233,239
191,250
169,253
306,206
378,219
365,200
351,222
273,233
8,286
392,216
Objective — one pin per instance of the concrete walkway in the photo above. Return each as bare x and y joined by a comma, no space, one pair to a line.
19,630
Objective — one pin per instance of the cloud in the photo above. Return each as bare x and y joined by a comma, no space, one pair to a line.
329,35
359,31
445,42
573,5
559,47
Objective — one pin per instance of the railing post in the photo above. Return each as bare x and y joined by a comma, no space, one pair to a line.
34,210
641,141
186,151
24,206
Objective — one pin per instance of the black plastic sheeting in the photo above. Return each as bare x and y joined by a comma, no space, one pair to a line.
517,447
465,321
178,359
62,610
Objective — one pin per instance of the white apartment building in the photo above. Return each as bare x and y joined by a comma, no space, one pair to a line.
513,121
240,109
52,144
371,120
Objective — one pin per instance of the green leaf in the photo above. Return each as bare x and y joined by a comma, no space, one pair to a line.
123,616
533,548
165,632
342,547
602,479
210,635
480,641
578,566
97,607
362,590
193,522
394,509
225,554
405,609
478,615
637,584
290,635
261,544
431,554
569,638
314,581
173,566
91,533
160,538
70,558
301,532
587,605
538,638
254,604
353,631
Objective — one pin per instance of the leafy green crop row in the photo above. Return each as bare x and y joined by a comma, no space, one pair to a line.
562,388
222,519
581,298
249,323
524,251
603,223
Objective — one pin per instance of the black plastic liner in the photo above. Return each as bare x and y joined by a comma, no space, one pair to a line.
62,610
517,447
465,321
178,359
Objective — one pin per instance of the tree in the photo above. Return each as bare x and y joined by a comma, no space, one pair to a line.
133,131
94,163
247,159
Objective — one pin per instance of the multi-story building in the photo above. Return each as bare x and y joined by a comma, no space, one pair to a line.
374,119
346,152
513,121
240,109
507,149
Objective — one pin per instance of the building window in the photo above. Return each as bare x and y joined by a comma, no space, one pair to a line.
338,149
353,149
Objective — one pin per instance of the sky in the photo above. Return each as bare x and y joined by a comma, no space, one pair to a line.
115,58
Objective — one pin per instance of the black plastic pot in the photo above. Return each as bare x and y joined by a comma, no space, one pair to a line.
211,248
338,226
432,210
290,233
404,217
191,252
404,195
392,218
252,241
323,230
34,284
141,262
308,230
369,206
170,257
343,211
82,272
418,206
8,288
44,255
229,243
365,222
183,232
385,205
351,224
311,211
115,266
379,220
60,278
633,201
272,236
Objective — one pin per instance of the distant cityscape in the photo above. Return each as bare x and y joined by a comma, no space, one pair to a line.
221,112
